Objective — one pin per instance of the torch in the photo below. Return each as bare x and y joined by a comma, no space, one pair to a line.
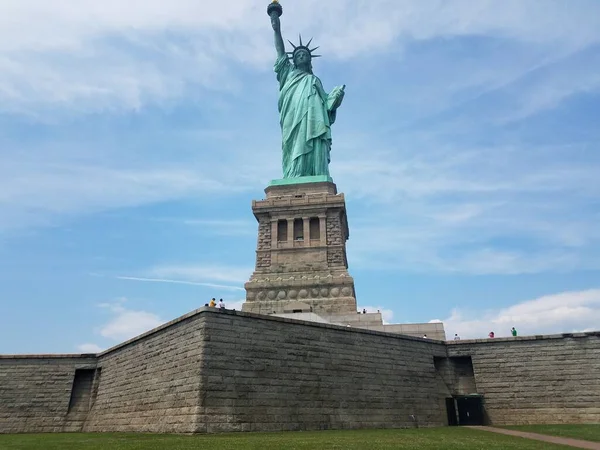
274,8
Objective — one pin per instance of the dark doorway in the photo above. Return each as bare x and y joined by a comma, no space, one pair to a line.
451,410
470,410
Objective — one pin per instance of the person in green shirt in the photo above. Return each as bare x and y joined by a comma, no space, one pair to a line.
513,331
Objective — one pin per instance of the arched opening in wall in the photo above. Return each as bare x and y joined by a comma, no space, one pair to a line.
282,231
315,229
298,230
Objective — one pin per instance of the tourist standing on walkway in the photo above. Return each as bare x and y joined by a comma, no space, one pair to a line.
212,303
491,335
513,332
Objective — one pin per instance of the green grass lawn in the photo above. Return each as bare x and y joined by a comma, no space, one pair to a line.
586,432
428,438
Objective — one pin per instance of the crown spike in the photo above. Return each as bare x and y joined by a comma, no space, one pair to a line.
315,56
312,49
291,43
300,37
308,44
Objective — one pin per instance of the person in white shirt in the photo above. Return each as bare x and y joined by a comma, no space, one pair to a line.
221,304
456,337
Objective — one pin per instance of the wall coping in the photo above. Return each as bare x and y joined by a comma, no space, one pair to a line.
51,355
231,312
537,337
209,310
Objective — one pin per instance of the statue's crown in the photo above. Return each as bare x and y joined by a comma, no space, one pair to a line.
301,46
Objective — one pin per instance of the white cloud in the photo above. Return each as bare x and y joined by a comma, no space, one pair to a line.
100,56
571,311
34,193
109,55
89,348
126,323
494,210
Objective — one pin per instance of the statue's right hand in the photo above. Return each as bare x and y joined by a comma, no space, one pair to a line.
275,23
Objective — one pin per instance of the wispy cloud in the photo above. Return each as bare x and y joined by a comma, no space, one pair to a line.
211,276
126,56
40,191
204,272
563,312
189,283
495,209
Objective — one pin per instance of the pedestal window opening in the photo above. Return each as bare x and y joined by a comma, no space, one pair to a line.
298,230
282,231
315,229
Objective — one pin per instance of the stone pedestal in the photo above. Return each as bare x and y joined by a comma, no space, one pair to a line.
301,262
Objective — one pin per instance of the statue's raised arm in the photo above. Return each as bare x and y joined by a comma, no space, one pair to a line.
274,10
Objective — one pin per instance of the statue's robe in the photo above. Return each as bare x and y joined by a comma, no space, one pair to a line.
306,114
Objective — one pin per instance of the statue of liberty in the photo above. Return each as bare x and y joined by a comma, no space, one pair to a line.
306,110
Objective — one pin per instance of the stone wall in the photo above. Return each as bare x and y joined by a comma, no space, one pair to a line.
35,391
212,371
269,374
535,380
153,383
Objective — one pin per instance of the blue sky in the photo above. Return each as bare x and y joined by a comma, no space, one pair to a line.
133,138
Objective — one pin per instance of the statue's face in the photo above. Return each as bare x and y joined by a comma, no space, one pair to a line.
302,58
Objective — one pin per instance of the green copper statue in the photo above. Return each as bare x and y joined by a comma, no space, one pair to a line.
306,110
